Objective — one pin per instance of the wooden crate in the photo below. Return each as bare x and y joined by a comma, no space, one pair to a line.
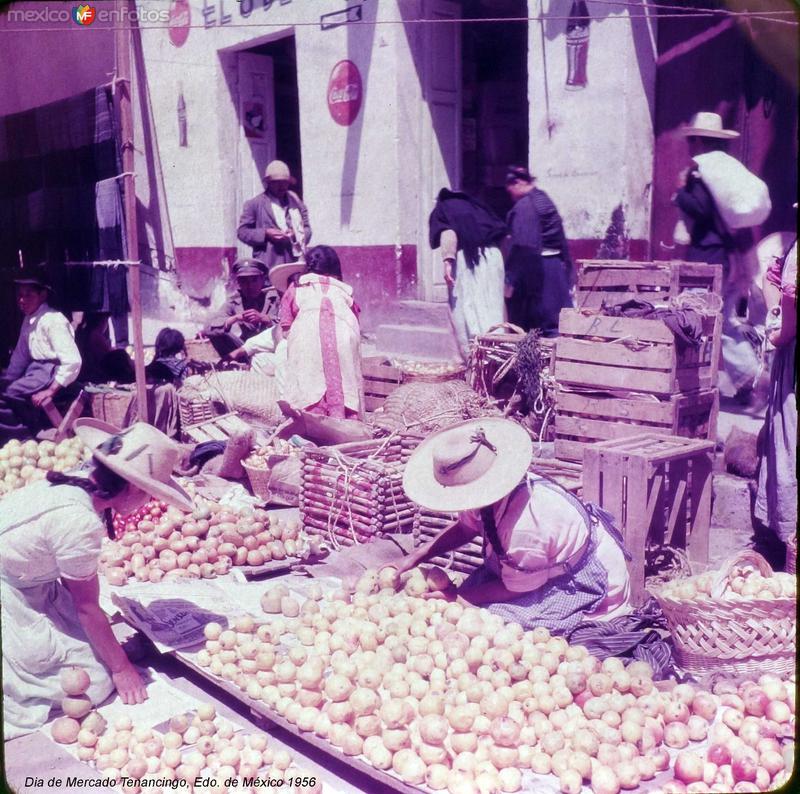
220,428
639,355
351,493
582,418
380,379
609,282
658,488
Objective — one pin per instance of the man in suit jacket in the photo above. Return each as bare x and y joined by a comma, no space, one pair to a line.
275,223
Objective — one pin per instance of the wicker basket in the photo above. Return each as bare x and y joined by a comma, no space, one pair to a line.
736,636
259,480
791,555
201,350
111,404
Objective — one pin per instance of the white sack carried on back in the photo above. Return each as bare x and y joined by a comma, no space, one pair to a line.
741,197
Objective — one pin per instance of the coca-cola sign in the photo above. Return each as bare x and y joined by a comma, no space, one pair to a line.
345,93
180,20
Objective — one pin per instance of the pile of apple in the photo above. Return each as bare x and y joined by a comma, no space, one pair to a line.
453,698
158,542
22,462
742,581
196,745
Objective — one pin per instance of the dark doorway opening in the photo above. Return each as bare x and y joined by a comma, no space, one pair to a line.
287,106
495,97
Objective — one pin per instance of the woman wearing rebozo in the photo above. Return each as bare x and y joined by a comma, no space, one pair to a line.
50,537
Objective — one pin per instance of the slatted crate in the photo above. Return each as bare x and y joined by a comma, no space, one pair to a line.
609,282
380,379
585,418
352,493
600,352
658,488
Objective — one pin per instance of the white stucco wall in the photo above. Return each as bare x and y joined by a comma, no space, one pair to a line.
592,148
350,174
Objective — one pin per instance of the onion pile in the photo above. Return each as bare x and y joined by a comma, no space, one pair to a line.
428,368
77,707
278,446
199,744
743,581
22,462
158,542
454,698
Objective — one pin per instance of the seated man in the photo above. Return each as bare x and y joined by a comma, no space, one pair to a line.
251,310
45,360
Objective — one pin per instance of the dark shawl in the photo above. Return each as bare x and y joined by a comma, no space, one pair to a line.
475,225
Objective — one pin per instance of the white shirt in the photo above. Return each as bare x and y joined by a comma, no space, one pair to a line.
542,529
46,335
48,532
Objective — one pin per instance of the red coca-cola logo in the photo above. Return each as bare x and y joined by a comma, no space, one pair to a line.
345,93
180,20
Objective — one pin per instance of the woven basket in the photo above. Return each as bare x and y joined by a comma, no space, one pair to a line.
201,350
791,555
259,480
112,406
736,635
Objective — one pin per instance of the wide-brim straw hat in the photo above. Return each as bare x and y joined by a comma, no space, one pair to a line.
708,125
280,274
140,454
469,465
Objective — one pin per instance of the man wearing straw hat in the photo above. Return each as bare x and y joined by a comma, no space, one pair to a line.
720,200
275,223
550,560
45,359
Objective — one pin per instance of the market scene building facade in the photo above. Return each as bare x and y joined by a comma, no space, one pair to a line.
403,393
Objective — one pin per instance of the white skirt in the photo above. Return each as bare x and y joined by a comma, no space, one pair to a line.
477,300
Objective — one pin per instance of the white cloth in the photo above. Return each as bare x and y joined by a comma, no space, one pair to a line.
46,335
544,530
279,213
268,356
46,533
742,198
478,296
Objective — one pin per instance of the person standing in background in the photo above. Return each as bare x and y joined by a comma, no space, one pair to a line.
776,498
717,230
538,266
275,223
469,236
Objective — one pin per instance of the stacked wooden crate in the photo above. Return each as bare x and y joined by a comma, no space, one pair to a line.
380,379
620,376
352,493
600,282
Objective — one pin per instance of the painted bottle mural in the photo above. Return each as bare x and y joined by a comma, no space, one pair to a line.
578,45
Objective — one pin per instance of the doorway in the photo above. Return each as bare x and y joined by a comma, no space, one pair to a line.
269,115
494,121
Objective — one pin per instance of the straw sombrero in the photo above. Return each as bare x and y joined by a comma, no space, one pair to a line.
708,125
469,465
140,454
280,274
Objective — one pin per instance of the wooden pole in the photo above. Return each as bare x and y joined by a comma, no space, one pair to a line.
123,87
